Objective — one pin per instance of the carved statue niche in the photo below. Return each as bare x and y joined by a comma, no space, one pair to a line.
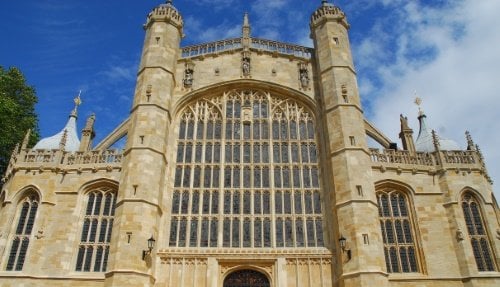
188,75
303,76
245,65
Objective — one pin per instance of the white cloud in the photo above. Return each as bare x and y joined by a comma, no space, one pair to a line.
449,54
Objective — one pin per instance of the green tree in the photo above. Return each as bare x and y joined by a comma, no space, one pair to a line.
17,113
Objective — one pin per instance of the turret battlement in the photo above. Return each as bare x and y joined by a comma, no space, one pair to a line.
165,13
328,11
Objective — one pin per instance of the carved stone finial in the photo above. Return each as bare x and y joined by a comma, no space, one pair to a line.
64,138
170,2
470,142
435,140
26,139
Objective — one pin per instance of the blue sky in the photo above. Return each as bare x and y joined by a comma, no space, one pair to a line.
446,50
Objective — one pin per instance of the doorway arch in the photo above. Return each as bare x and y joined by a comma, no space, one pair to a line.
246,278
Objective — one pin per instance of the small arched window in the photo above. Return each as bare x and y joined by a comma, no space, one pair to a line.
397,232
20,243
476,229
93,250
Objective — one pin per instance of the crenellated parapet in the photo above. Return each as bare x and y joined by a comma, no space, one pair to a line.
326,12
165,13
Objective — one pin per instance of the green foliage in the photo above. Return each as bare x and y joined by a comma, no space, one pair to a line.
17,113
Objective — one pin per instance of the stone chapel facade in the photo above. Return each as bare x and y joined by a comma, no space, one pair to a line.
246,164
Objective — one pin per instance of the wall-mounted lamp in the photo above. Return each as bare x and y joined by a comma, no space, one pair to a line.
343,246
151,245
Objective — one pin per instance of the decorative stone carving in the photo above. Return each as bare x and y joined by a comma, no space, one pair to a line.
188,75
245,65
303,76
460,235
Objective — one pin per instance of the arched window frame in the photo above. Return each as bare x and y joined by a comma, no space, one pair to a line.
96,229
477,231
248,171
25,222
399,232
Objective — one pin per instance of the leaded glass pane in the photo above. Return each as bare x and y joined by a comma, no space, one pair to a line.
279,233
247,242
213,232
278,202
257,232
215,202
288,202
299,232
319,232
182,232
206,202
226,232
298,202
236,233
195,206
204,233
173,232
267,232
193,231
246,202
236,202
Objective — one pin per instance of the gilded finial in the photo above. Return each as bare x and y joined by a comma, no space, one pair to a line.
418,102
78,102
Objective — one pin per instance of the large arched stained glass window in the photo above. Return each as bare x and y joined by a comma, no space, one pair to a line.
246,174
93,250
20,243
397,232
477,233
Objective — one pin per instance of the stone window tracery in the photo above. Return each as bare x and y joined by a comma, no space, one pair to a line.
97,227
24,228
253,170
397,232
477,233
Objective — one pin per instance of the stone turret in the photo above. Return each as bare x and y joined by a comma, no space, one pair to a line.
406,135
353,200
143,175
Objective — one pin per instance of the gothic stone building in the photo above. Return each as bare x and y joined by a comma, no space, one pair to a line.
246,164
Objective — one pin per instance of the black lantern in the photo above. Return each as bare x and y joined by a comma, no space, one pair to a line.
151,245
343,246
342,242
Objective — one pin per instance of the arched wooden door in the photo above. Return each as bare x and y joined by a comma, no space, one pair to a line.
246,278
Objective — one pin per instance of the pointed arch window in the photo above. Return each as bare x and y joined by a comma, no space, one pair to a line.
397,232
97,226
256,169
476,229
24,228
